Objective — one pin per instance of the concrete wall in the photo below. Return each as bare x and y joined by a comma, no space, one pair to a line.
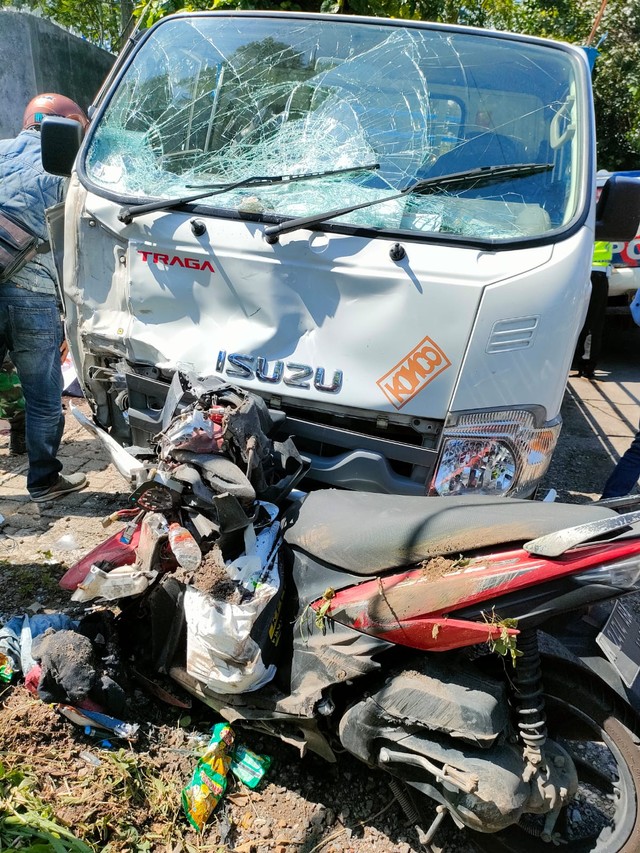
39,56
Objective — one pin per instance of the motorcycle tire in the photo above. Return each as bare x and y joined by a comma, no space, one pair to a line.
602,734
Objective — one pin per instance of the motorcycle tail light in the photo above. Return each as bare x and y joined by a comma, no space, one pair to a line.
624,574
494,453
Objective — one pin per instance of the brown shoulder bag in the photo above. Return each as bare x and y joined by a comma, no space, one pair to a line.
17,247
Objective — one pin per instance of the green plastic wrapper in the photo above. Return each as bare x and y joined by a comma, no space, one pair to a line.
249,767
11,399
209,780
6,668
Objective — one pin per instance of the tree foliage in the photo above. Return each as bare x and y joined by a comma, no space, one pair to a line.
101,22
617,88
616,75
617,72
616,78
476,13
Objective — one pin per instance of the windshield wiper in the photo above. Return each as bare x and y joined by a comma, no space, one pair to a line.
477,177
127,214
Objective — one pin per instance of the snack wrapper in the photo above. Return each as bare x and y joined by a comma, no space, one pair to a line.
209,780
248,766
6,668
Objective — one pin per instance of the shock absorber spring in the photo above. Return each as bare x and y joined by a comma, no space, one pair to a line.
402,795
527,825
528,696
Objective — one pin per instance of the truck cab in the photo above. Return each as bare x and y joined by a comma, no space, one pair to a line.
383,228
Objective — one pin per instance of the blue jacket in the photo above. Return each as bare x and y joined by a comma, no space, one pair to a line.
26,191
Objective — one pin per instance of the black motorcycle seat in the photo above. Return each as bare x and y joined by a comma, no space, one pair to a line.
366,533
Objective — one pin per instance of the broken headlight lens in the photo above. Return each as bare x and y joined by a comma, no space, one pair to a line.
624,574
494,453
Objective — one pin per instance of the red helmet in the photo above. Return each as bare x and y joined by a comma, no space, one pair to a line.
51,104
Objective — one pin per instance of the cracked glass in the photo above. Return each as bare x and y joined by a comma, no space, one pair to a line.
213,100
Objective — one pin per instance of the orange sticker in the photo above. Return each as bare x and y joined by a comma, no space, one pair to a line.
413,373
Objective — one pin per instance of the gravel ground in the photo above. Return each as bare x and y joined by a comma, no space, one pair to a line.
305,804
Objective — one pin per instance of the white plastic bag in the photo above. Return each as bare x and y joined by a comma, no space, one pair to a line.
221,652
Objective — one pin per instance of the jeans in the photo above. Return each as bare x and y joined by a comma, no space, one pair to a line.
31,331
625,475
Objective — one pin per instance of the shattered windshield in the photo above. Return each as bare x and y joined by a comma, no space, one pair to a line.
211,100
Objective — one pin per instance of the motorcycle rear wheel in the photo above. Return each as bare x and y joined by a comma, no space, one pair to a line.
602,736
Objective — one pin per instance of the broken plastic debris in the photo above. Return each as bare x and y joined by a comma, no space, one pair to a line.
90,758
112,550
128,466
209,780
200,432
154,530
118,583
68,542
91,719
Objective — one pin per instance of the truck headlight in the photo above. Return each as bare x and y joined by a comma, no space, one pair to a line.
494,453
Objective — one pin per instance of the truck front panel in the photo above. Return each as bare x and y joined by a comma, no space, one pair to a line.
380,227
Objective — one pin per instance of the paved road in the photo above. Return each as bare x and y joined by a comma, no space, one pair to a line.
60,532
599,418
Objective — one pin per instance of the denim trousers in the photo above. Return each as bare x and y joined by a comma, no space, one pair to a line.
625,475
31,331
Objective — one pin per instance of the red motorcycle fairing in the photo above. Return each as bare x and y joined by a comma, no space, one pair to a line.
416,608
113,551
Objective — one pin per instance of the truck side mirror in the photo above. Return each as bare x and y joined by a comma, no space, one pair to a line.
618,209
60,139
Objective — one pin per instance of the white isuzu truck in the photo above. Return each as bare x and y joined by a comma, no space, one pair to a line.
383,228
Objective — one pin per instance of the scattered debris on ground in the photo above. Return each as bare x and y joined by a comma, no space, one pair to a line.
90,792
72,781
56,781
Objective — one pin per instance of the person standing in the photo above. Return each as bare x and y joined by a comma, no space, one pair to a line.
594,321
31,328
625,475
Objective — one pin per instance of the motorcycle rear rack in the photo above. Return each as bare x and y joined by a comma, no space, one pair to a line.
556,544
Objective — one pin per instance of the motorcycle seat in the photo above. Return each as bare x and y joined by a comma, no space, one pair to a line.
366,533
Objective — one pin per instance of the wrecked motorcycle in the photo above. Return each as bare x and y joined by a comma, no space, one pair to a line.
450,642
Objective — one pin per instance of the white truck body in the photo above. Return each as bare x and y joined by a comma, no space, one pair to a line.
419,343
